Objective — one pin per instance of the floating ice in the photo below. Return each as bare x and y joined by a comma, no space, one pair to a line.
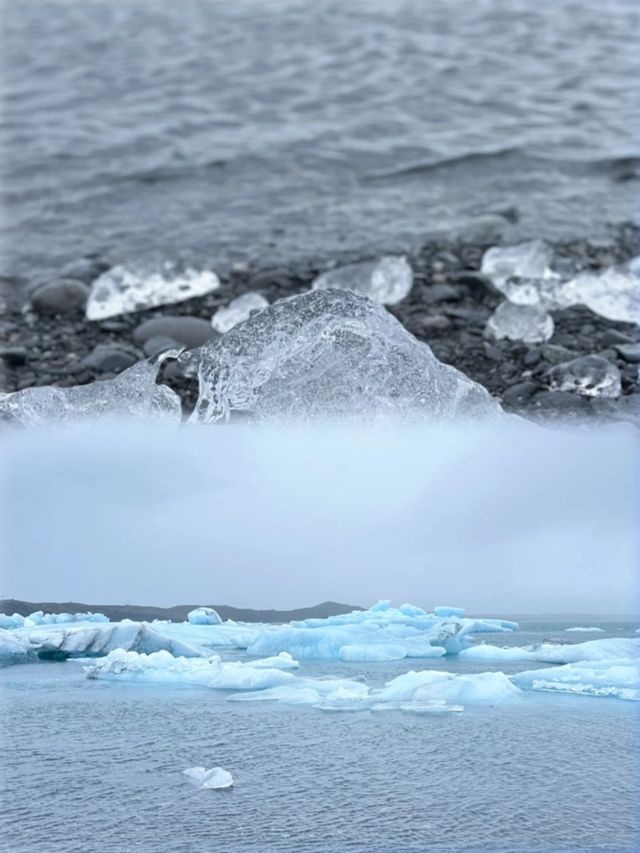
527,323
434,685
15,649
237,311
13,621
121,291
215,779
132,394
449,611
589,375
41,618
326,354
203,616
387,280
617,678
362,652
162,667
585,630
59,641
592,650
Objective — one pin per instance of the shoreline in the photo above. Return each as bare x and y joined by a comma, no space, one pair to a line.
448,308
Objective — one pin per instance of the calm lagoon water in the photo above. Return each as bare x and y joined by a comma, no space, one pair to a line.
96,766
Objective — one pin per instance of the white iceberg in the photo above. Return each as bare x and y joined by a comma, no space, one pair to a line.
592,650
13,621
387,280
328,354
41,618
216,779
134,393
615,678
164,668
122,291
203,616
15,649
435,685
237,311
584,630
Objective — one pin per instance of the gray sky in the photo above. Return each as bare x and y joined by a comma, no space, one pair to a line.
520,519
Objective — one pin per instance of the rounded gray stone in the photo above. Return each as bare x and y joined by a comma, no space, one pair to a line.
188,331
158,344
107,359
63,296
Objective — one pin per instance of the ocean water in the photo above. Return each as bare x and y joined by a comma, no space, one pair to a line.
210,131
96,766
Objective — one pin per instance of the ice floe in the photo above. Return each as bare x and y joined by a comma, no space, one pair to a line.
387,280
616,678
237,311
215,779
328,354
585,630
121,290
134,393
41,618
561,653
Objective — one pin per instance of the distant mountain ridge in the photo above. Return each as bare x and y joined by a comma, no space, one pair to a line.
178,613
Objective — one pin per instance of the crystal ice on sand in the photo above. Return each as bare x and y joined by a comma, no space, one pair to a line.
614,293
590,375
134,393
521,272
121,290
387,280
237,311
528,323
327,354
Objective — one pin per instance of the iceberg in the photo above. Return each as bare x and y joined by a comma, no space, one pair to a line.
121,291
560,653
326,354
41,618
434,685
527,323
15,650
164,668
215,779
584,630
237,311
60,641
203,616
448,611
387,280
13,621
615,678
132,394
362,652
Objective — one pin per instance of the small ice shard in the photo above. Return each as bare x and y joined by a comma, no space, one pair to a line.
134,393
387,280
203,616
589,375
527,323
215,779
237,311
328,354
122,291
518,271
614,293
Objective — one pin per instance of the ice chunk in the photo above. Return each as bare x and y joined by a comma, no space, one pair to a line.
449,611
617,678
164,668
326,354
60,641
589,375
121,290
15,649
592,650
215,779
8,622
527,323
237,311
430,685
524,261
387,280
203,616
585,630
613,293
132,394
41,618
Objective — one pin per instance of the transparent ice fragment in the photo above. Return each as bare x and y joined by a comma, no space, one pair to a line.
237,311
528,323
614,293
519,271
387,280
133,393
121,290
216,779
590,375
328,354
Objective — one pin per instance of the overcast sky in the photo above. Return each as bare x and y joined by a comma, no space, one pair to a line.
520,520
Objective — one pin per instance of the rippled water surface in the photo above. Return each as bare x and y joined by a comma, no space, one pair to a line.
214,131
96,766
